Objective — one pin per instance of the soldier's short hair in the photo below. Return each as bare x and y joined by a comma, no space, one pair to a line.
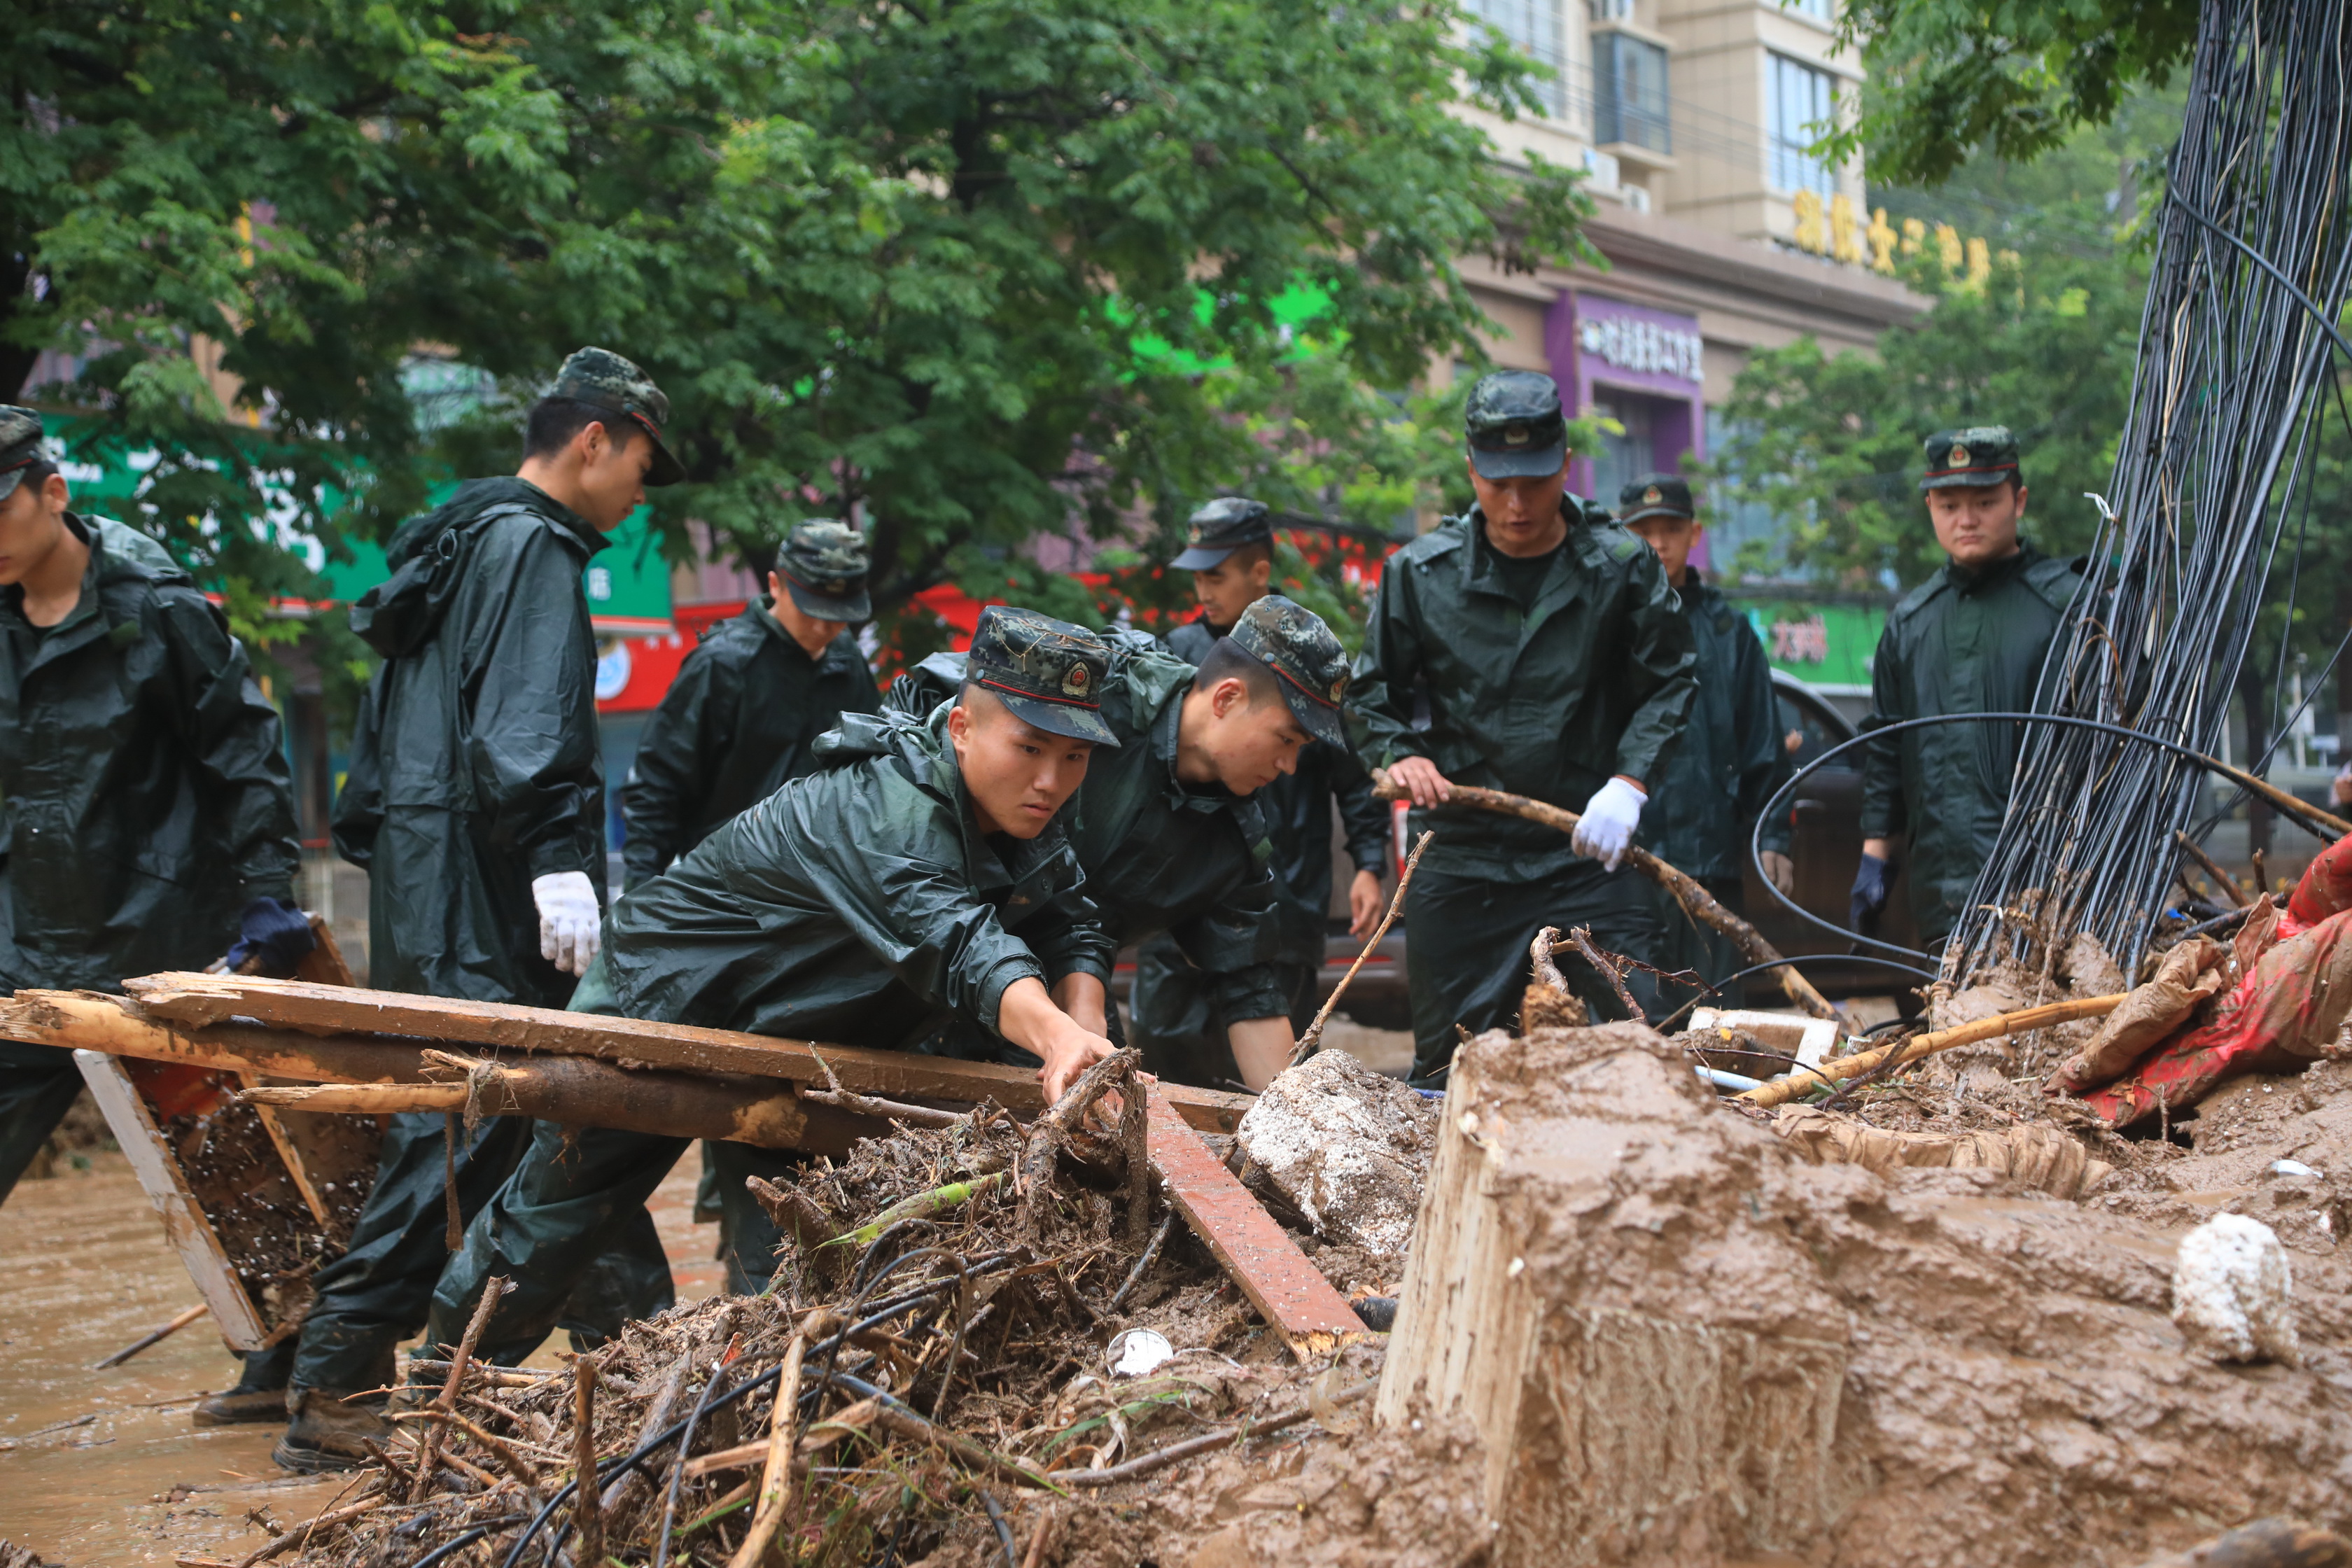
1228,660
554,421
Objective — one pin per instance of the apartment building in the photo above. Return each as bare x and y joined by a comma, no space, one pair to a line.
1723,232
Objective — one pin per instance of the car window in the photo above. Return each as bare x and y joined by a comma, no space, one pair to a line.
1808,729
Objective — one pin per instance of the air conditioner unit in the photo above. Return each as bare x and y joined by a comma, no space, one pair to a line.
1637,198
1601,169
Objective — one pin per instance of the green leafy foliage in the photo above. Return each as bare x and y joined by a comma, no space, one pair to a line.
886,259
2017,78
2046,346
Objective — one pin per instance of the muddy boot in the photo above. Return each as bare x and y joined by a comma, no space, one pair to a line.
260,1393
327,1433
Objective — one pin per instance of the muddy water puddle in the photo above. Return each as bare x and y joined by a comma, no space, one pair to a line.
104,1468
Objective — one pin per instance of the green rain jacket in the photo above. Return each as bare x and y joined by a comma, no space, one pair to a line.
1961,642
1595,680
144,798
739,720
475,766
1704,805
857,904
1159,855
1297,810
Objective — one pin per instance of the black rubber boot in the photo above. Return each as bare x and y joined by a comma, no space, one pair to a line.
260,1393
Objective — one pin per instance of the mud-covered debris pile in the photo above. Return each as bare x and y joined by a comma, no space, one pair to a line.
1348,1147
945,1313
1681,1342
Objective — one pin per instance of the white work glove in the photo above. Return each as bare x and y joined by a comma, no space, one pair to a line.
569,931
1608,822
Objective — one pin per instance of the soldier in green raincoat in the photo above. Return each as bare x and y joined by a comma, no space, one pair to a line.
475,802
749,702
148,815
1552,661
1704,807
1970,639
1168,826
1230,553
916,892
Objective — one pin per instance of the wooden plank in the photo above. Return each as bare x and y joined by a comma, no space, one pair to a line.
83,1020
200,1000
185,1220
1287,1290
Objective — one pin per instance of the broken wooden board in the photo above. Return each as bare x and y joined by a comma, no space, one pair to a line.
1288,1289
155,1162
201,1000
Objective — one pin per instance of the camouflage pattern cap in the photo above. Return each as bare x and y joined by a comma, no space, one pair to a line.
1313,667
20,446
1655,495
1516,427
1222,527
824,565
1978,455
1048,672
603,379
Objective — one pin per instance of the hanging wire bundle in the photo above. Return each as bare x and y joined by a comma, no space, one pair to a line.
2235,373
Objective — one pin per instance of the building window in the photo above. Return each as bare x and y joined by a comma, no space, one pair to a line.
1629,92
1801,99
1533,26
1821,11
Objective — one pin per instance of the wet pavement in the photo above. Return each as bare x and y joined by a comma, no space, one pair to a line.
104,1468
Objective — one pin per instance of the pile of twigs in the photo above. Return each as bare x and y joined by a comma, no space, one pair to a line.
2235,377
906,1378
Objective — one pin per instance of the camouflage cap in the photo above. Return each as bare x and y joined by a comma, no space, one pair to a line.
1978,455
1293,640
1516,427
603,379
1655,495
1048,672
20,446
824,565
1222,527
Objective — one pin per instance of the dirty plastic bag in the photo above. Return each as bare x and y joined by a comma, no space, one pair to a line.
2189,975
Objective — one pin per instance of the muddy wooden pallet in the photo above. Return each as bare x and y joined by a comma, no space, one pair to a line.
390,1051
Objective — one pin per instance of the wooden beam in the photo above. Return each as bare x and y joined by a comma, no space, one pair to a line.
203,1000
1289,1291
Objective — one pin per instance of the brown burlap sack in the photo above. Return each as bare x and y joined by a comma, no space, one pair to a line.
2032,1155
2188,975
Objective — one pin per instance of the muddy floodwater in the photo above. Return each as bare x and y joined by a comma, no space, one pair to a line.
104,1468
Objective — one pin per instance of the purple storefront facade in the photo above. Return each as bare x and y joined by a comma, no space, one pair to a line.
1640,366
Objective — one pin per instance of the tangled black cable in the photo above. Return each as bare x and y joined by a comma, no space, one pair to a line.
2235,376
1773,806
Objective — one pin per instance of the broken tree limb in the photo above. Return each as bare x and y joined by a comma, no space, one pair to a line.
1581,940
1700,904
2221,880
202,1001
156,1338
1312,1040
1289,1291
1906,1052
580,1092
116,1026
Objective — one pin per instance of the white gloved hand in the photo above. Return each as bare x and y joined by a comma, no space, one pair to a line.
569,933
1607,822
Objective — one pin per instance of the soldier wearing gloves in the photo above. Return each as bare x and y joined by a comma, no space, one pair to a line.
1167,828
1704,807
917,890
1970,639
475,802
1553,662
1230,553
750,700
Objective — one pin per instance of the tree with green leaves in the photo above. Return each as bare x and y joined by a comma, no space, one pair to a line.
1830,443
1950,79
888,259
